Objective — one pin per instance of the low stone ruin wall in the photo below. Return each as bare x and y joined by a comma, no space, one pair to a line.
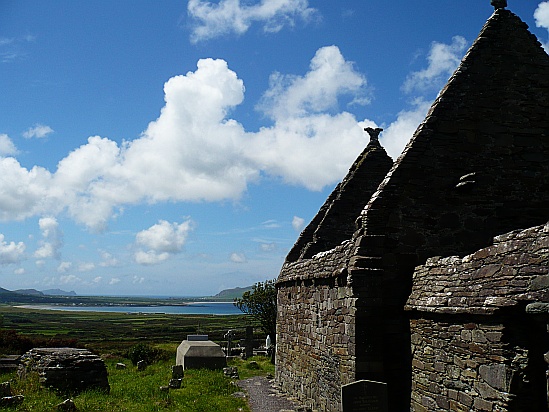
476,343
67,370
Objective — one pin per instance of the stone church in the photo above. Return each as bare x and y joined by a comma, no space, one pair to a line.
431,273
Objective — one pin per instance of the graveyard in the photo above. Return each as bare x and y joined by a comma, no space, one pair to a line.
120,339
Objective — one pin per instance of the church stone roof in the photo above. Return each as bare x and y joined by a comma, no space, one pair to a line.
483,144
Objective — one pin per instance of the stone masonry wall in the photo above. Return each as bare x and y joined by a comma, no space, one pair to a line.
474,346
316,329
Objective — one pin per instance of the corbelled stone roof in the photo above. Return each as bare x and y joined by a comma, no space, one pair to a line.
482,146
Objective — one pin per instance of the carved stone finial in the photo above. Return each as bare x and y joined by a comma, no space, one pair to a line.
374,133
499,4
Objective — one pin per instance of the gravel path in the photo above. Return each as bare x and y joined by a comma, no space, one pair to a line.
263,397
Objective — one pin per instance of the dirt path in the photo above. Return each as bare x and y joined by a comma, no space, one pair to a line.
263,397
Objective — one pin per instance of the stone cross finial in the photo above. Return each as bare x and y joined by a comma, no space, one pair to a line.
374,133
499,4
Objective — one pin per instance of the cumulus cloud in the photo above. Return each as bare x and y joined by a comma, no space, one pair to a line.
194,150
443,60
39,131
230,16
161,241
195,143
238,257
11,252
7,147
107,259
298,223
541,15
329,77
399,133
19,271
64,267
52,239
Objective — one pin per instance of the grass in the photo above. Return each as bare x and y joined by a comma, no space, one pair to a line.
139,391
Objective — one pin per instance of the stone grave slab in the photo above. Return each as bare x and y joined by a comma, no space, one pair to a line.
364,396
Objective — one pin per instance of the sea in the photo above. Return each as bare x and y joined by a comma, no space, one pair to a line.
192,308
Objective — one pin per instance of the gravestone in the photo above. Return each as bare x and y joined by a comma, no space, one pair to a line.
249,342
364,396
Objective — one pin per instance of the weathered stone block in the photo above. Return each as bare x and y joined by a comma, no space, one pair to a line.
200,354
67,370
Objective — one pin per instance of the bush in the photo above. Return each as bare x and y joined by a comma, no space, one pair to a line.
143,352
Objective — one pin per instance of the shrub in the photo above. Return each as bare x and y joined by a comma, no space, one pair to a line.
142,352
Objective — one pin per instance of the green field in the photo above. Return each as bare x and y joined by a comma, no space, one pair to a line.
111,331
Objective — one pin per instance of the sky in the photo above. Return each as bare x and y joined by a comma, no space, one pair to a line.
178,148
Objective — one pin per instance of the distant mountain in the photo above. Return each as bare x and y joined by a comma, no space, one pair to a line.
230,294
58,292
31,292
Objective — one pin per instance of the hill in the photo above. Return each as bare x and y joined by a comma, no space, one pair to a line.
58,292
231,294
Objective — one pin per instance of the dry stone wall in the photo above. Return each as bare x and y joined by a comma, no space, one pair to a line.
475,346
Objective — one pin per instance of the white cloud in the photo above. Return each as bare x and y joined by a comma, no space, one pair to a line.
11,252
267,247
541,16
107,259
443,60
19,271
238,257
64,267
399,133
160,241
13,48
329,77
137,280
114,281
230,16
69,279
298,223
86,266
195,143
52,239
270,224
97,279
39,131
7,147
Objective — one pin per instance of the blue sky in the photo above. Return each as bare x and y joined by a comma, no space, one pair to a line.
179,147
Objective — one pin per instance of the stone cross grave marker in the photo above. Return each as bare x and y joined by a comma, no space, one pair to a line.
364,396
